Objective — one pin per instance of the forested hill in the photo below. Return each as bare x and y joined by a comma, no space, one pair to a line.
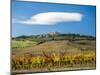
55,36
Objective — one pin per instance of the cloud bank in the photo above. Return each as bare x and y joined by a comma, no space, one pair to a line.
52,18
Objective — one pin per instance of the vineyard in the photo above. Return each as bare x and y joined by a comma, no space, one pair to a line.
29,62
59,53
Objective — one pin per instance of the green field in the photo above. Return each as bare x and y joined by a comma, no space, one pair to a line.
22,44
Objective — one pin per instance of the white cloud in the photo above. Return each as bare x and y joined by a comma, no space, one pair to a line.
52,18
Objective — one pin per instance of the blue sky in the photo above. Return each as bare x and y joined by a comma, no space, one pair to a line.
77,18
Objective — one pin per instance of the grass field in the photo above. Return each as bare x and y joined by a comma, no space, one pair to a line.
22,44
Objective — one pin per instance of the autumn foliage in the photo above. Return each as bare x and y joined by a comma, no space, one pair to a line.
29,61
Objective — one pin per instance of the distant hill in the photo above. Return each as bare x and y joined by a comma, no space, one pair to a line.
55,36
52,42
